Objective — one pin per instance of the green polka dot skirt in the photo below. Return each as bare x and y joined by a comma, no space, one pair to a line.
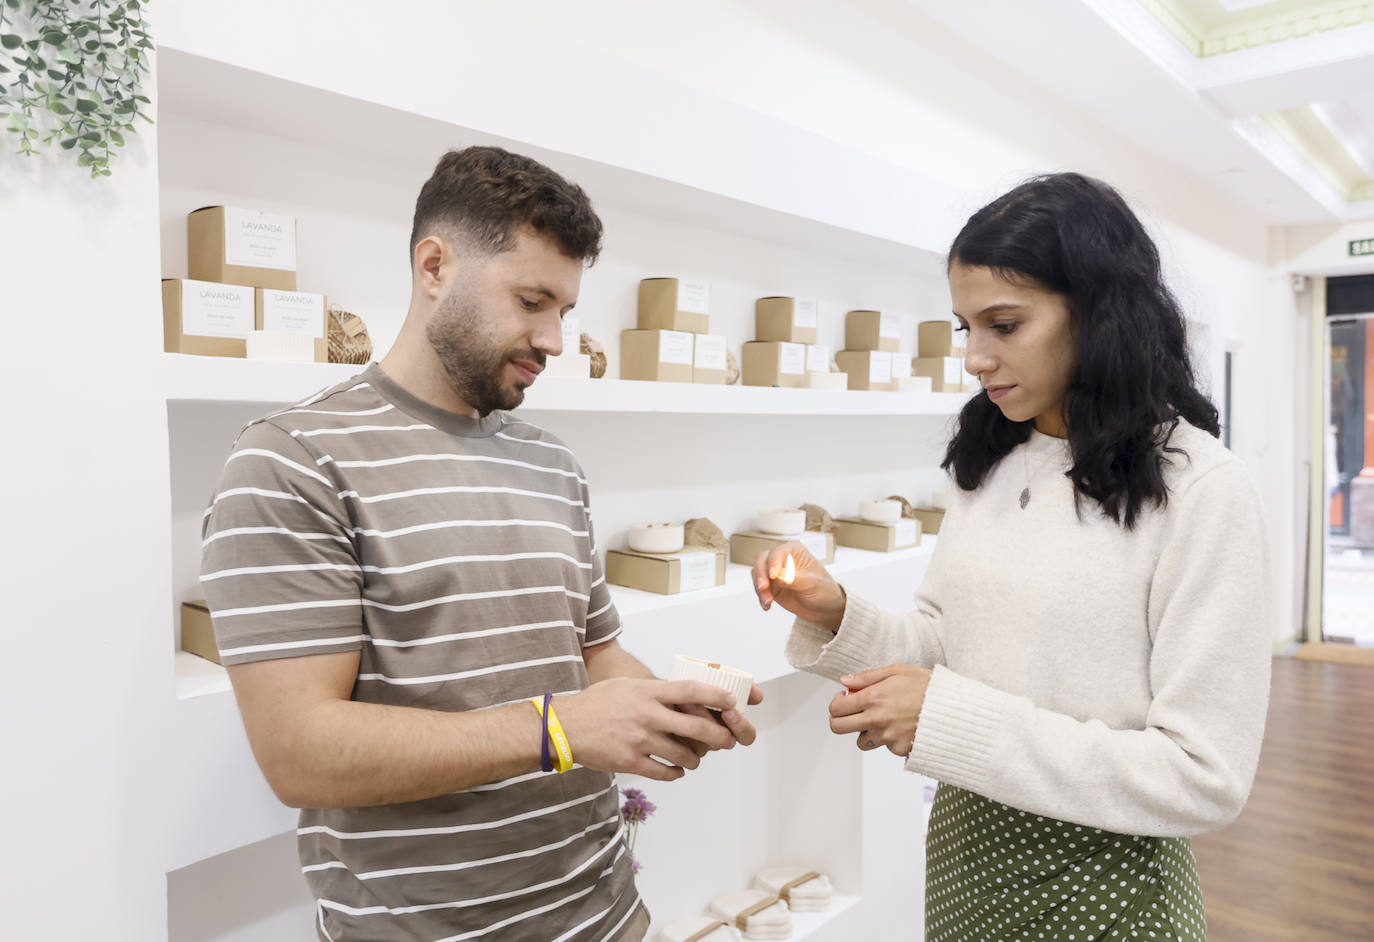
996,873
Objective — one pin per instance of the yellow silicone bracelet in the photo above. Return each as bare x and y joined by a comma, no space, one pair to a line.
560,742
562,760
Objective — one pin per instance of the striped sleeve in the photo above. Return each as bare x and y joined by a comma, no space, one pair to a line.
278,564
603,621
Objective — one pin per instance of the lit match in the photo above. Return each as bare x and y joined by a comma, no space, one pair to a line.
789,570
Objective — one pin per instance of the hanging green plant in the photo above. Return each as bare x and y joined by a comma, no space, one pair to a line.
71,74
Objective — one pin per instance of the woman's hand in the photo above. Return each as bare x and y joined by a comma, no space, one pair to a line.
882,705
811,594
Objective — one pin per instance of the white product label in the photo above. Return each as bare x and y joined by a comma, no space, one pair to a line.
889,325
572,335
879,367
901,365
698,571
710,351
804,313
905,533
792,360
675,346
295,311
259,240
815,544
694,297
954,371
214,310
818,358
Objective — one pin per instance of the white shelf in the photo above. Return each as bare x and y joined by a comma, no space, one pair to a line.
197,677
234,380
231,379
808,924
723,621
738,584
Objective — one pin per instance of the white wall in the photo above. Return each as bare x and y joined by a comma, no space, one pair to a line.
85,633
663,91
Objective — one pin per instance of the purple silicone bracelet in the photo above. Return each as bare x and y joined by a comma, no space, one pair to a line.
545,762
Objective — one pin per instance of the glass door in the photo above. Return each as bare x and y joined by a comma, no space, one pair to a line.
1348,464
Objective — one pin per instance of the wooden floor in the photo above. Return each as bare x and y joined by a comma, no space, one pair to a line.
1298,864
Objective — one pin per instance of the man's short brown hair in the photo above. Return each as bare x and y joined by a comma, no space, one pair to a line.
485,195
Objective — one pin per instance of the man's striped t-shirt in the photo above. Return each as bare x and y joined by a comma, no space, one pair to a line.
457,556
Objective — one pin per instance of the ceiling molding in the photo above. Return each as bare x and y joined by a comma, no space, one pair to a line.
1314,142
1236,32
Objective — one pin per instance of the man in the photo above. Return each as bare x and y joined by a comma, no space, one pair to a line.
396,567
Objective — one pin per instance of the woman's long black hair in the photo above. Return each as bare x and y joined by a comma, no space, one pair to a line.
1133,380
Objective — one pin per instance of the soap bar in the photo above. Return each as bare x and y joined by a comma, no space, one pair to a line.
757,914
804,890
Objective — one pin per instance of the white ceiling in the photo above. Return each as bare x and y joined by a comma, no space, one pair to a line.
1204,114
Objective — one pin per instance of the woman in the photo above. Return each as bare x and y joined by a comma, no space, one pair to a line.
1087,669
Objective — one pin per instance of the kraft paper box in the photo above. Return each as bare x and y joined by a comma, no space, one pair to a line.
772,363
872,330
946,373
242,247
206,319
297,311
197,632
661,355
930,519
745,547
878,537
937,339
790,320
674,304
695,567
708,359
867,369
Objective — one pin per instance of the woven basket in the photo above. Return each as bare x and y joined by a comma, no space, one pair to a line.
348,339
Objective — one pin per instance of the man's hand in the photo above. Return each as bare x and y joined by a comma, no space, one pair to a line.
742,730
882,705
632,725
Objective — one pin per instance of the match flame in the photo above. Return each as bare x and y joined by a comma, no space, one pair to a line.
789,570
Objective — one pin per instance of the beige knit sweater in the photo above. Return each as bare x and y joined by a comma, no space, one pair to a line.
1111,678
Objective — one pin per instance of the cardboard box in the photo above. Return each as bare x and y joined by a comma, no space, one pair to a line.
939,339
788,320
745,547
708,359
297,311
872,330
197,632
242,247
878,537
772,363
916,384
696,567
662,355
830,381
674,304
818,358
206,319
867,369
946,373
930,519
901,366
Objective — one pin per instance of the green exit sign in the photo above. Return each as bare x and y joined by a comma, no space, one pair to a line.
1360,247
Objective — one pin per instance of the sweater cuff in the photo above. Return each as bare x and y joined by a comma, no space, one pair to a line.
815,649
956,735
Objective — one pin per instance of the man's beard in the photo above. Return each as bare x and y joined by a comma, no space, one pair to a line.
475,366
